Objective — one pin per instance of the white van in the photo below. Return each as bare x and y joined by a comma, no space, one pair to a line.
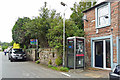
16,54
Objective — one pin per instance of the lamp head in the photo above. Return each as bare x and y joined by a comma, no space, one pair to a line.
63,4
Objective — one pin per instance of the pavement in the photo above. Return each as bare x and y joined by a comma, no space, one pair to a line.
91,73
29,69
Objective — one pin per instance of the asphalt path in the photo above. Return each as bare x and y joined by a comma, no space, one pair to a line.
26,69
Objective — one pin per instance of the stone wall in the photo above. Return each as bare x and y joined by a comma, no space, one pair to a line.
46,55
31,54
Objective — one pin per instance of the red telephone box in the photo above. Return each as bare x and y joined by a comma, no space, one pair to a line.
75,52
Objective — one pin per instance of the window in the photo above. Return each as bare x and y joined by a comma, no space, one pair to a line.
103,15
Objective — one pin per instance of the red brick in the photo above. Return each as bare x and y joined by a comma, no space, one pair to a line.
90,28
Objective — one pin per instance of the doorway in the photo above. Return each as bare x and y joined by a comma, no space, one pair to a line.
102,55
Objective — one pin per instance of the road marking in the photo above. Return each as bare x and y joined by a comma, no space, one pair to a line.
65,74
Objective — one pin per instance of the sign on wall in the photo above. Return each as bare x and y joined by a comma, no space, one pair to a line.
33,41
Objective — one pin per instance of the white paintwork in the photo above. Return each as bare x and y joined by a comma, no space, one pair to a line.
104,55
65,74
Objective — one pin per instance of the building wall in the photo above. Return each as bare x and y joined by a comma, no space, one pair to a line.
119,17
90,29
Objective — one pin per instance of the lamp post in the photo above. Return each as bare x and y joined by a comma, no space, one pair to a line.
63,4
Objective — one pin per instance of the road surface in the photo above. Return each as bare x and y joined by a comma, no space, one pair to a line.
26,69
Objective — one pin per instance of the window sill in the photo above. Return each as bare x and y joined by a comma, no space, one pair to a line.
98,27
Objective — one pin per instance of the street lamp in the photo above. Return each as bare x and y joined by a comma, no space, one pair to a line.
64,34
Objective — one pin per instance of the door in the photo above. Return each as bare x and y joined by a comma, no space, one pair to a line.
99,54
102,54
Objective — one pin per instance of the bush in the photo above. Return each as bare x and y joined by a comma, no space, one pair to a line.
50,66
37,62
55,68
49,62
58,61
65,69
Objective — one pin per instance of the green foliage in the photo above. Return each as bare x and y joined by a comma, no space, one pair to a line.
49,62
77,14
55,68
65,69
48,28
25,47
37,62
11,43
55,35
18,31
50,66
4,47
26,28
58,61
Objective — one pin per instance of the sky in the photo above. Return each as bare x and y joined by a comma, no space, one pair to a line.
11,10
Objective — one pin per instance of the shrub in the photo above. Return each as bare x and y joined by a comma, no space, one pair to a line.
65,69
58,61
49,62
50,66
55,68
37,62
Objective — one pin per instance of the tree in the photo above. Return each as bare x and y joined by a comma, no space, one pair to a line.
38,28
11,43
18,30
5,45
55,35
77,14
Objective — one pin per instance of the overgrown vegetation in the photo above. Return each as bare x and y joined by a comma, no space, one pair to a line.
37,62
48,28
49,62
64,69
58,61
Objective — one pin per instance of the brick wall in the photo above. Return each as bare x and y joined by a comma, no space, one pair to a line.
119,18
90,29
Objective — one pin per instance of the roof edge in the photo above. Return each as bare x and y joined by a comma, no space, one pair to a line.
95,6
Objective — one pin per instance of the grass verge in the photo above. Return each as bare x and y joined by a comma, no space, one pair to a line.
64,69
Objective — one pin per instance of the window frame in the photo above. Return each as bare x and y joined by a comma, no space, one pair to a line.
109,15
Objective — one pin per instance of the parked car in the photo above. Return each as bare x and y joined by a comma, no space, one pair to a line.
16,54
115,74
